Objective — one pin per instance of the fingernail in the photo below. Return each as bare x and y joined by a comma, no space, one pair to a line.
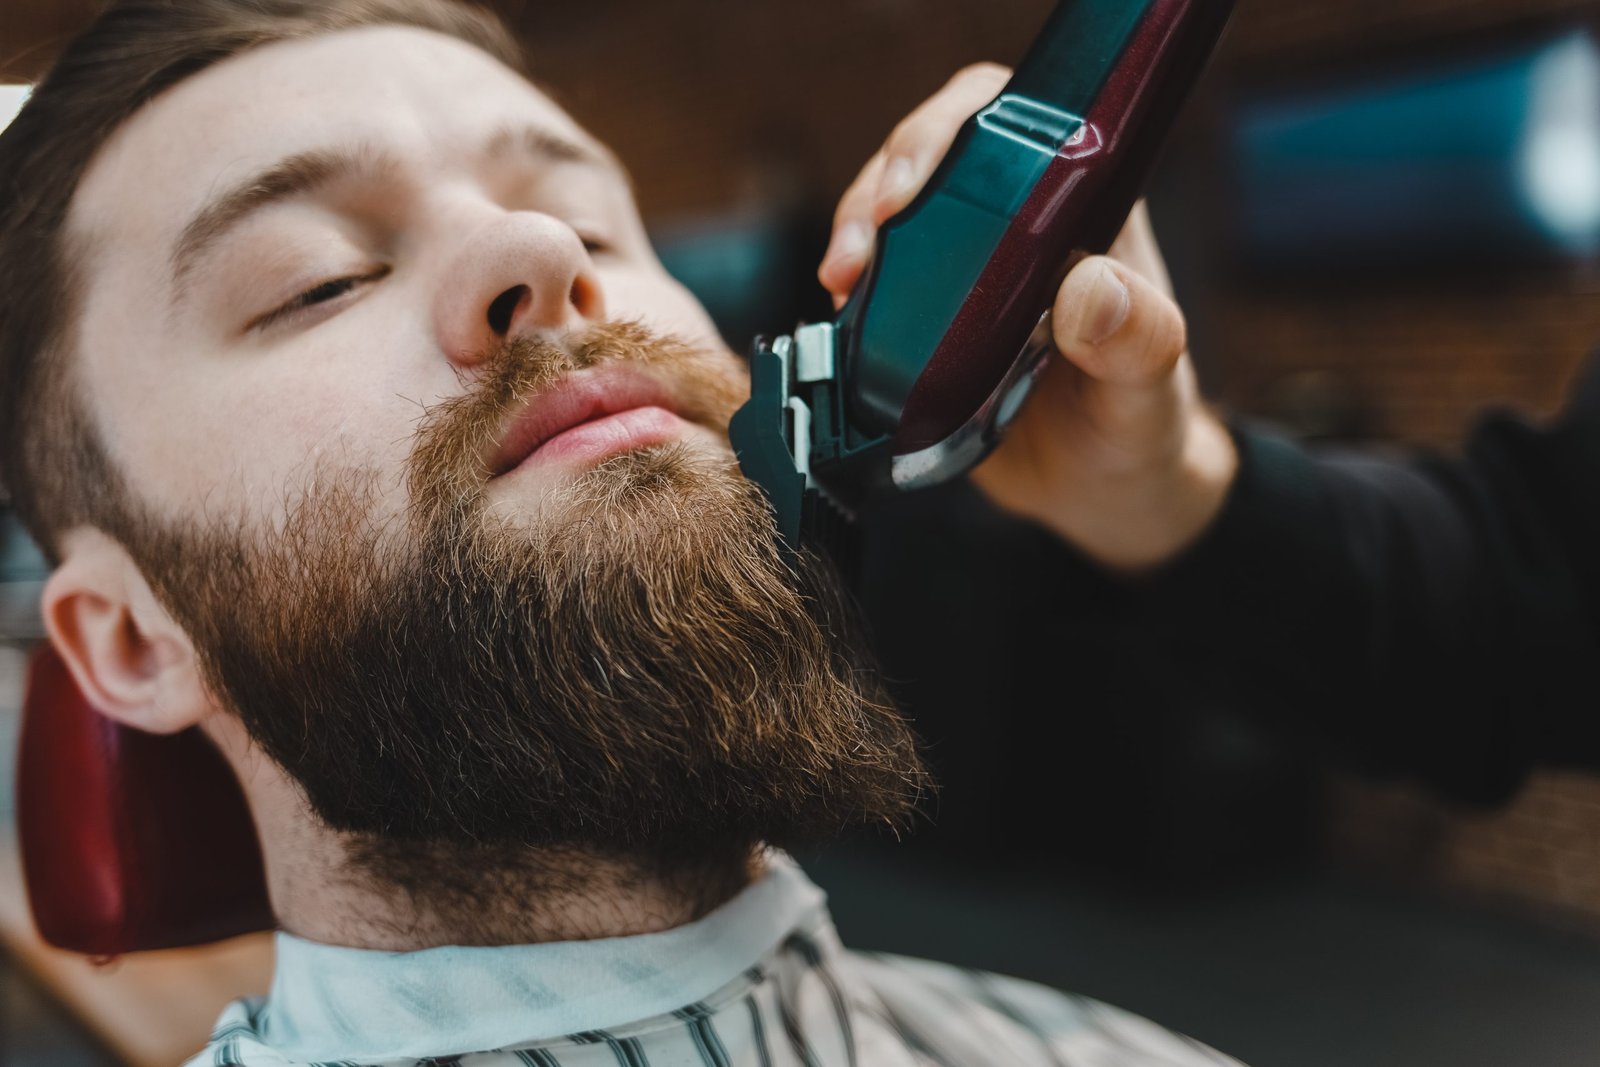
898,178
1112,304
850,243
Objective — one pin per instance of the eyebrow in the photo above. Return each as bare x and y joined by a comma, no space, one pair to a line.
304,173
539,143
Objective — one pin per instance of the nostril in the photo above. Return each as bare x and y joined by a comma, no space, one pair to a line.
585,296
504,308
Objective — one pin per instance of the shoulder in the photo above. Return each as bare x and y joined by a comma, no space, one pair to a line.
968,1014
236,1040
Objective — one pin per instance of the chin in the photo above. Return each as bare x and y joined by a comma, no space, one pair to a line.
658,482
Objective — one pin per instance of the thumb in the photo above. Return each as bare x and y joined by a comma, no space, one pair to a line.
1117,327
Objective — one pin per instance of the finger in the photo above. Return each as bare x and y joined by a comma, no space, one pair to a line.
852,232
898,170
1136,247
923,137
1116,326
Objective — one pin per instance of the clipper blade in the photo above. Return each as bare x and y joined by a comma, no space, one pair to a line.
832,532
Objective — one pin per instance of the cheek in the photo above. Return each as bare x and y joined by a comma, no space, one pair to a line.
325,428
662,304
736,373
242,434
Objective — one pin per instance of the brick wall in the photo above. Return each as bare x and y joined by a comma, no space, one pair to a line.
1417,366
1540,854
1544,849
711,102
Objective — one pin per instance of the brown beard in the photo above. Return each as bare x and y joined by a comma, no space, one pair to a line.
633,672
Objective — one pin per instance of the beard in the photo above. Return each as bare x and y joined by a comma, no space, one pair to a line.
630,669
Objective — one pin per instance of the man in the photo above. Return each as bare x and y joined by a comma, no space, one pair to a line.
365,433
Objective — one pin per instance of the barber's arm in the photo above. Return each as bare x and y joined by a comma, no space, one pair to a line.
1433,618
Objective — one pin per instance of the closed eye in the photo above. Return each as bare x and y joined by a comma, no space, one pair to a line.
322,293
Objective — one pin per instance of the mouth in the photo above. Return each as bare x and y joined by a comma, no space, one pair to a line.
587,416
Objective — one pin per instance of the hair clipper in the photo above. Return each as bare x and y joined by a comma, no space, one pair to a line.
940,342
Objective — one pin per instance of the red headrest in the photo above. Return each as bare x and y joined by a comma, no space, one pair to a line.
130,840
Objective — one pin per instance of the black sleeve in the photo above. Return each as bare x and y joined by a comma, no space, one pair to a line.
1427,617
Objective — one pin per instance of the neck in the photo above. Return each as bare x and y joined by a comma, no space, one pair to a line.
398,896
402,896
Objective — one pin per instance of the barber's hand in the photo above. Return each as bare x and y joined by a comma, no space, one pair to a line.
1115,450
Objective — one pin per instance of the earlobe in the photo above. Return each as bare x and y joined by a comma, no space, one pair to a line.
130,659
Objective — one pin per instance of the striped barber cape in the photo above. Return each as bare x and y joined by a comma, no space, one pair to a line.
760,982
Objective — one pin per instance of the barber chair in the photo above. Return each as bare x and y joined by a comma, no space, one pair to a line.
130,841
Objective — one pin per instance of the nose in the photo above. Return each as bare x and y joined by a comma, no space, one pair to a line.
517,273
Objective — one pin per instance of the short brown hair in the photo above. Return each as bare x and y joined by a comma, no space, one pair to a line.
51,460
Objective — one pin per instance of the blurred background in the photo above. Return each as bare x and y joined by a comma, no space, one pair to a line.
1381,216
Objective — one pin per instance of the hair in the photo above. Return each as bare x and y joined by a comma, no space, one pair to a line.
51,460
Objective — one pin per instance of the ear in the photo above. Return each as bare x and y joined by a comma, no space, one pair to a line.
128,656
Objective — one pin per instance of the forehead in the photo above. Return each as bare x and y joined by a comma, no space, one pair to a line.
419,93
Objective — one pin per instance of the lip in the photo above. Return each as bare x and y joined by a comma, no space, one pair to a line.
605,408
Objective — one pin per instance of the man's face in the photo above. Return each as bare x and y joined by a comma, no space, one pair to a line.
295,253
348,303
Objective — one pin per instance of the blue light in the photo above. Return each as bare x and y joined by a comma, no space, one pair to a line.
1560,164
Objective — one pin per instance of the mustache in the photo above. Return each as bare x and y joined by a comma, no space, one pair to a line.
447,468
